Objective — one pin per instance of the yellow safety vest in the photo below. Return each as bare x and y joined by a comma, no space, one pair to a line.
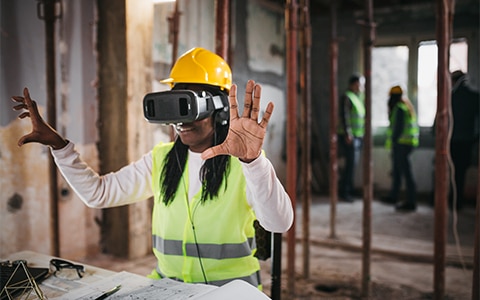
410,131
357,115
198,242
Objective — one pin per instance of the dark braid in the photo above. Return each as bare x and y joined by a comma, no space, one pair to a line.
172,170
216,168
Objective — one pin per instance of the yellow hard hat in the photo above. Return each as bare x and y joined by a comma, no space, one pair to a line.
201,66
396,90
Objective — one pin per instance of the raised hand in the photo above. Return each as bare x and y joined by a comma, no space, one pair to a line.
41,131
246,134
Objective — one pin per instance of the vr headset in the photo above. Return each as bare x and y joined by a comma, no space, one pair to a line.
179,106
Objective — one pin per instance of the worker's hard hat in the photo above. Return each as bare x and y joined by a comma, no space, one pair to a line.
201,66
396,90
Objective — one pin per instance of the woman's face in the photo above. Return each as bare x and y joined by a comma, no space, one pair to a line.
197,135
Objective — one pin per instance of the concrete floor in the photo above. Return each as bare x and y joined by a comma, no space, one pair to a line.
401,260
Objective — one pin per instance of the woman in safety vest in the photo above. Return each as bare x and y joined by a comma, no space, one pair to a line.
209,185
402,137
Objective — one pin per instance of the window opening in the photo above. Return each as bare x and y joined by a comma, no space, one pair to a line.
428,75
389,68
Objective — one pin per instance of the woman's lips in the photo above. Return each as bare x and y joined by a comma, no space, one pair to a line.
182,128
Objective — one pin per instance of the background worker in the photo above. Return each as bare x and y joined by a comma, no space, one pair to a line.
209,185
465,132
350,133
402,137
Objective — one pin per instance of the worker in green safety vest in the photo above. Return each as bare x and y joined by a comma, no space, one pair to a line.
402,138
350,130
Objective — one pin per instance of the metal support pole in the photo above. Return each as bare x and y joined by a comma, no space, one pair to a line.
222,28
369,38
276,280
49,11
305,84
442,143
476,253
333,117
291,24
173,30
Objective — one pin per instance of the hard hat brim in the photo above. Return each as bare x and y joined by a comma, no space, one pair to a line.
168,81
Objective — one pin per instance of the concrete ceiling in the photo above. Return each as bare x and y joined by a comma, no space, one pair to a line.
466,11
379,6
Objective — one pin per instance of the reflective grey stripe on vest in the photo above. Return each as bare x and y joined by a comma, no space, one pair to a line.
215,251
253,279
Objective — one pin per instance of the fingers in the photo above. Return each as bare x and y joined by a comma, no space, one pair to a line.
22,104
267,115
30,105
257,92
232,98
28,100
247,106
251,107
26,103
31,111
19,99
24,115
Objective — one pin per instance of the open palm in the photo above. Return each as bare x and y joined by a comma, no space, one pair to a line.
245,136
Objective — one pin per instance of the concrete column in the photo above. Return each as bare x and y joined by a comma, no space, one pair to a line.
125,70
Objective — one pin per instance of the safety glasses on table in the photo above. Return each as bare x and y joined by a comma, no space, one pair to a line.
65,269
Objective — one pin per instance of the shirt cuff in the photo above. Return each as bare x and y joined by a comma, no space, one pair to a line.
63,152
257,168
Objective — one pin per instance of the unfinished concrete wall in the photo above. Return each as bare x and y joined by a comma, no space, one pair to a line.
25,211
77,115
24,184
140,141
24,205
196,29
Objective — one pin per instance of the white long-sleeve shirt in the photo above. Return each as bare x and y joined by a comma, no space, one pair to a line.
132,183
